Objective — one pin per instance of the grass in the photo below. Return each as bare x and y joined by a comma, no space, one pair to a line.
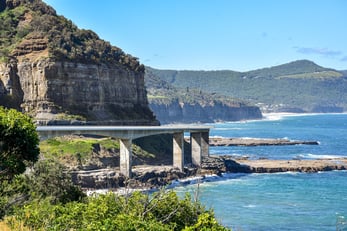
79,150
64,116
4,227
74,149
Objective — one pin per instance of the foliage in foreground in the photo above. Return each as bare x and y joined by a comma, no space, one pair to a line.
46,180
161,211
18,143
46,199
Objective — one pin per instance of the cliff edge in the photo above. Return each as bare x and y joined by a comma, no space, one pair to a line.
61,74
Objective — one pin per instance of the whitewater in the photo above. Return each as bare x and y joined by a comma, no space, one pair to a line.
280,201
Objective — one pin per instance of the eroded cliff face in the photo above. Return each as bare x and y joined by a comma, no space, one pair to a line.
176,112
51,91
11,94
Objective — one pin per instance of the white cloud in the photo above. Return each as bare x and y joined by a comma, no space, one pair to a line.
319,51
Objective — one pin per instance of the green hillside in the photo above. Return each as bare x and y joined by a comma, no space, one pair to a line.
300,86
161,91
31,25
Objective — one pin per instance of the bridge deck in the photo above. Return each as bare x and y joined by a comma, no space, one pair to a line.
124,132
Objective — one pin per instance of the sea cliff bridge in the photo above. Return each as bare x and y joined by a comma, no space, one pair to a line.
199,139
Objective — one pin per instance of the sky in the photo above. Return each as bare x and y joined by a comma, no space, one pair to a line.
239,35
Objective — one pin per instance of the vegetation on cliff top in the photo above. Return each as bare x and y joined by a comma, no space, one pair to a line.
31,25
162,92
301,84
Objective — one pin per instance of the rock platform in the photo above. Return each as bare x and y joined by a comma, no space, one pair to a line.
309,166
224,141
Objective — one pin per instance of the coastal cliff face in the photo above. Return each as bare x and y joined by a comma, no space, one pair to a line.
100,94
177,105
64,75
176,112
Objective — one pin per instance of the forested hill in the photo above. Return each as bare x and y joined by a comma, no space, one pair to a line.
299,86
187,105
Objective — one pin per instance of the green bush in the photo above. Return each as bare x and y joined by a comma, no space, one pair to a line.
18,143
47,180
160,211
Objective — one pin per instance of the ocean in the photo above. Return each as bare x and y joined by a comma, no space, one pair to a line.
280,201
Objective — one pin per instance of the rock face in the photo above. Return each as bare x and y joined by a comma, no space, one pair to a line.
177,112
178,105
101,94
65,75
143,177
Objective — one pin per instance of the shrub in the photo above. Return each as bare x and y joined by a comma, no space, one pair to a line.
18,143
160,211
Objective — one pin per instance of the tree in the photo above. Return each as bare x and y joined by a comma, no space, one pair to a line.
50,179
18,143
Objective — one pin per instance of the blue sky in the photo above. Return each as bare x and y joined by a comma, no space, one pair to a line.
238,35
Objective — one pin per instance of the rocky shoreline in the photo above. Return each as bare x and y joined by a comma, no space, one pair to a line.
223,141
149,177
274,166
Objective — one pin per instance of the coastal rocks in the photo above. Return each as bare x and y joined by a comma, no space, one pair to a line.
147,177
272,166
222,164
143,177
223,141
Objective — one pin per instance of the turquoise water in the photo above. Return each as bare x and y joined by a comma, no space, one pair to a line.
283,201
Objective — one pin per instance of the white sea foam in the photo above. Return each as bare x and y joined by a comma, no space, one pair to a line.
317,156
227,129
277,116
281,115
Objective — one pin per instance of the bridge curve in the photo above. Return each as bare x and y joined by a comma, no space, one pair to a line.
122,132
199,139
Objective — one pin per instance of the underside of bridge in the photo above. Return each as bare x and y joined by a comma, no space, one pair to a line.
199,140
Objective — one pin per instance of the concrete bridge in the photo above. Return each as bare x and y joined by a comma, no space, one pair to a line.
199,139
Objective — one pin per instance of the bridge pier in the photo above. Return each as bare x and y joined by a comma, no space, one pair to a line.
125,162
199,142
195,144
205,144
178,150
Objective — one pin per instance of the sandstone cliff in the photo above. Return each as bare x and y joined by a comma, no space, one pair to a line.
175,105
176,112
60,74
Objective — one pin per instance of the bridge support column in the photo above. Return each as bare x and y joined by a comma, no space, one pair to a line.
205,144
125,157
195,143
178,150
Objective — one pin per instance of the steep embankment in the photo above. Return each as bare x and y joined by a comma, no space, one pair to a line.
187,105
300,86
59,73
